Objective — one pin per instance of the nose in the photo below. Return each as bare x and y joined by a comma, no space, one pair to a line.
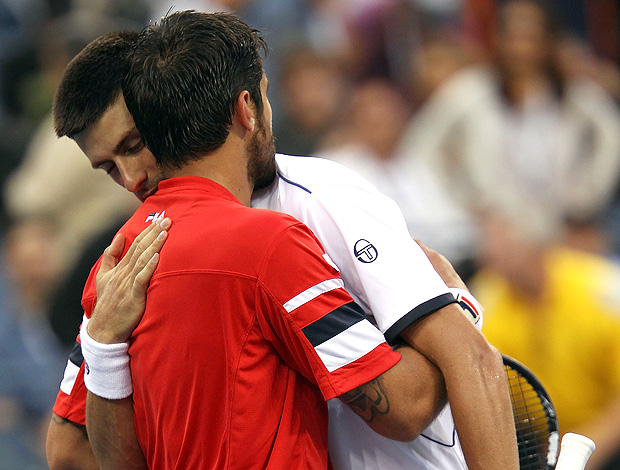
133,176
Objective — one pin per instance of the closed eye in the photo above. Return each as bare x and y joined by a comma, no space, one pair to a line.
133,144
107,167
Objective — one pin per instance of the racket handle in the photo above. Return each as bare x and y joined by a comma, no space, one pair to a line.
574,452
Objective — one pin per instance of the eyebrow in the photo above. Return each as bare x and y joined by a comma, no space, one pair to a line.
123,139
117,149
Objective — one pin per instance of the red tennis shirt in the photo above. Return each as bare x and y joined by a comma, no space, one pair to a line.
247,332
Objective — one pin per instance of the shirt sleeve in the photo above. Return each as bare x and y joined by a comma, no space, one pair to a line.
383,268
313,322
71,399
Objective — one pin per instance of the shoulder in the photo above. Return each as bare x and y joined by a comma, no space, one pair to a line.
469,85
316,174
588,97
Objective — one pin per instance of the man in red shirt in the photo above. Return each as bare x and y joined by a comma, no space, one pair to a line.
244,338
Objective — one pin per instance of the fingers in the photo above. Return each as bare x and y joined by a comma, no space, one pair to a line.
144,241
428,251
112,253
146,256
135,269
142,262
435,257
143,278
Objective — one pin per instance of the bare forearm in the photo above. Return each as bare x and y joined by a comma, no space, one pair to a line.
476,386
423,393
487,433
112,433
67,446
402,402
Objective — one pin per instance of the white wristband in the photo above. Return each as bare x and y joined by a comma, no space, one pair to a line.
468,303
106,367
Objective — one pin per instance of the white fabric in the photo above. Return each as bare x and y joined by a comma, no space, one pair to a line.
349,346
431,213
353,445
463,296
69,377
343,208
106,367
311,293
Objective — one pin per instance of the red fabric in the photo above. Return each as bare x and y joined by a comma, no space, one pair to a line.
223,375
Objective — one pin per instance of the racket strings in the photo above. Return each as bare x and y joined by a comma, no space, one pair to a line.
531,422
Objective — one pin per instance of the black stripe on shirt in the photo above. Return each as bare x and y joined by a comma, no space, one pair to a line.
76,354
293,183
333,323
422,310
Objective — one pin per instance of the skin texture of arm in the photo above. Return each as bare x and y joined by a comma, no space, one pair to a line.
476,385
67,446
474,375
402,402
443,267
112,433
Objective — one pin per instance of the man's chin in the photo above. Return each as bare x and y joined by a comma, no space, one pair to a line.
143,196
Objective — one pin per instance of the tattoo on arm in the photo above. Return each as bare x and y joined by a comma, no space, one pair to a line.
368,400
64,421
60,421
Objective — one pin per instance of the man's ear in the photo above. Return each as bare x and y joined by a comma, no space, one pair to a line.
245,111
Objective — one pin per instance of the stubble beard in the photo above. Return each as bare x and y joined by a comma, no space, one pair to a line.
261,158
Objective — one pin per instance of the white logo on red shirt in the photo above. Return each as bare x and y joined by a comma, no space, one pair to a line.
153,216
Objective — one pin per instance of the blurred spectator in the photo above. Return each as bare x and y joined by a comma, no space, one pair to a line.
438,57
557,310
31,360
521,129
368,143
314,91
134,11
65,310
286,25
56,180
479,22
19,20
536,128
578,61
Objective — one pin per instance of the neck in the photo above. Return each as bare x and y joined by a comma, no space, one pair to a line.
528,85
226,166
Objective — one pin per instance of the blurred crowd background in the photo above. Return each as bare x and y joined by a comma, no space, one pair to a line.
494,124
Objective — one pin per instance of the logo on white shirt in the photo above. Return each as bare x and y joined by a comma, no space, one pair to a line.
365,251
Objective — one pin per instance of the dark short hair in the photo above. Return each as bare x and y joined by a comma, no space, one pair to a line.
91,82
185,75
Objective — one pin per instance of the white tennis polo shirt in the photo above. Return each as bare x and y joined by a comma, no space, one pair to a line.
387,273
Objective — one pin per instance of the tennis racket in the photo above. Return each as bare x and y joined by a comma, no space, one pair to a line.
537,425
535,418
